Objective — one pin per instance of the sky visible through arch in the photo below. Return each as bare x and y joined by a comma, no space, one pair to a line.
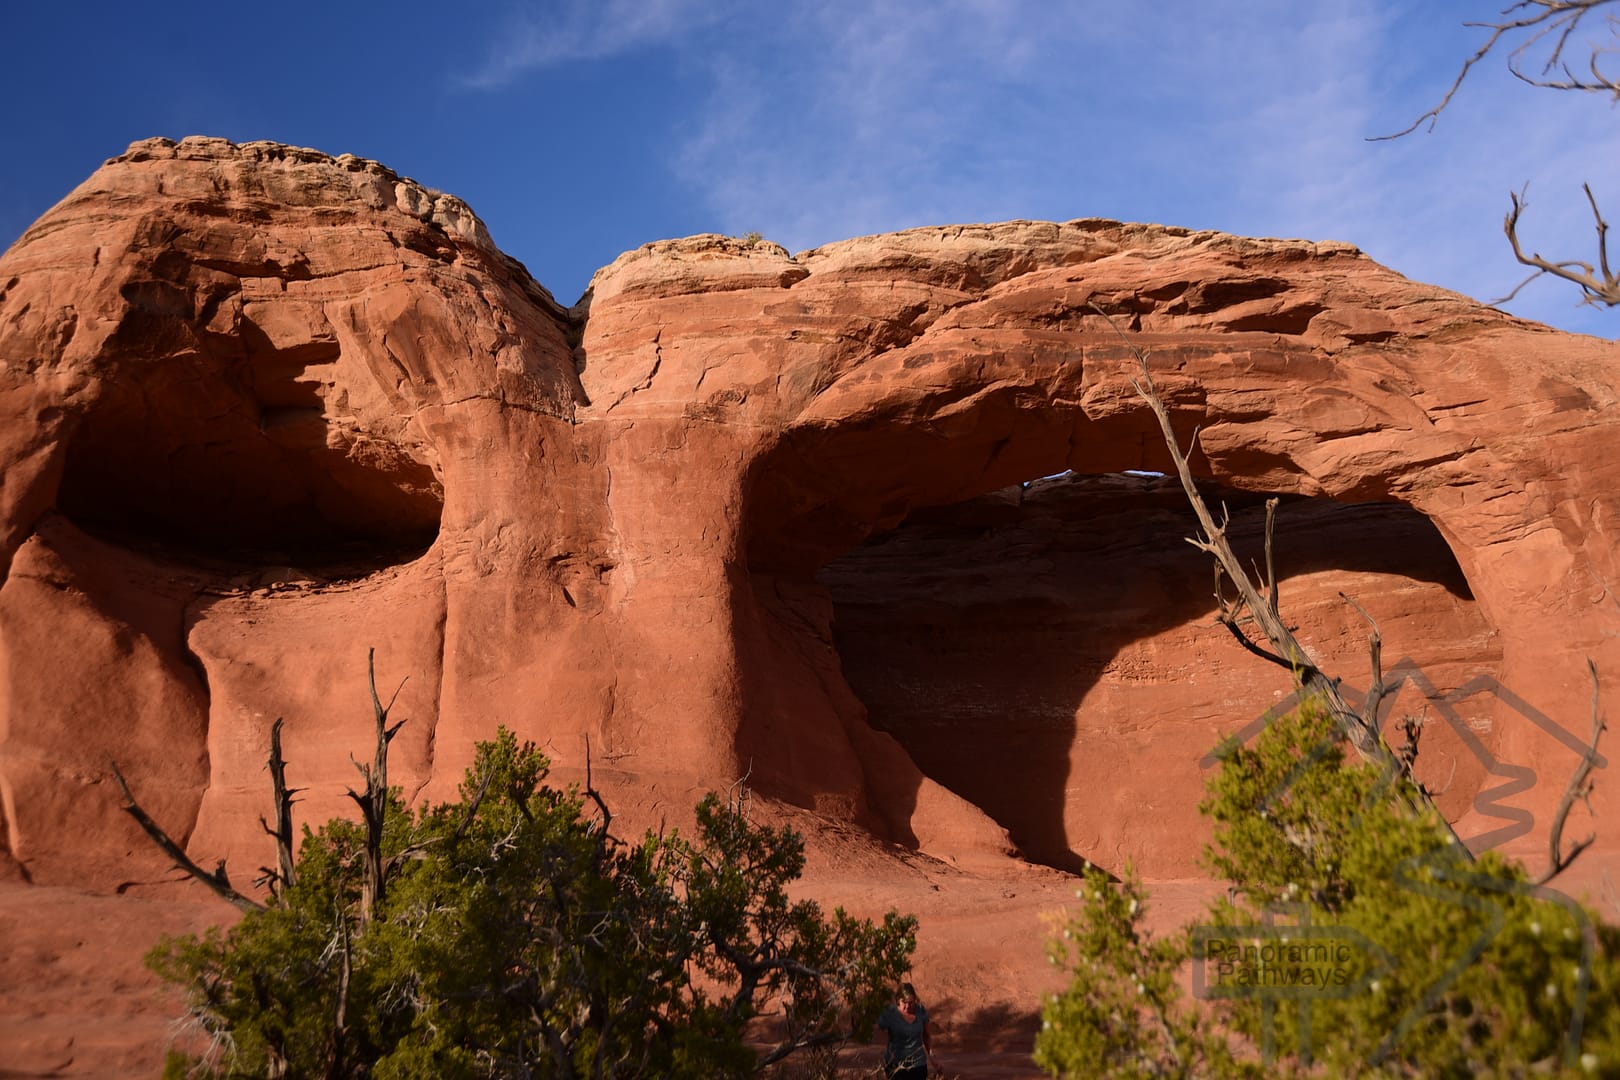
578,130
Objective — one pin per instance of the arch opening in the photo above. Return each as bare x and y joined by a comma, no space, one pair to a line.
1048,651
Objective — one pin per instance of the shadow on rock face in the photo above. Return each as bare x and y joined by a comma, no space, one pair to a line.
246,459
1050,655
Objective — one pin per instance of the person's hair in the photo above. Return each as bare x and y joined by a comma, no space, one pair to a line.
909,993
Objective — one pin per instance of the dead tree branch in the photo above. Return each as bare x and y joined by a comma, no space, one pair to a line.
1373,705
1361,730
1579,787
739,796
1229,610
1272,598
1549,25
596,796
373,802
1600,284
218,881
285,875
472,808
1556,20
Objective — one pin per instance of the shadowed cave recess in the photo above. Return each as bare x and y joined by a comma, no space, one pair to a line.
247,463
1038,650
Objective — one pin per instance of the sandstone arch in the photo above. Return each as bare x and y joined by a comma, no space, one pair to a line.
637,493
1306,375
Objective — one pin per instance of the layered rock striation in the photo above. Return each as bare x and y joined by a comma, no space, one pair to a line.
859,523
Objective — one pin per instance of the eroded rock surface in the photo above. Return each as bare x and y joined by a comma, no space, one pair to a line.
745,512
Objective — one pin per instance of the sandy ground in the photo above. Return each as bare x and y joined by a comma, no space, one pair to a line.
76,1001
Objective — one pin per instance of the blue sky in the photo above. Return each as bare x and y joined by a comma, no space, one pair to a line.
578,130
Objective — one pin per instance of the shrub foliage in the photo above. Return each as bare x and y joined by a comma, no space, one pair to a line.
1356,940
515,937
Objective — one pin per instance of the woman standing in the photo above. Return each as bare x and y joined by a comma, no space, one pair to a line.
910,1051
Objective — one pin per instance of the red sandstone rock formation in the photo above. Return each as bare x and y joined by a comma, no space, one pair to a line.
745,512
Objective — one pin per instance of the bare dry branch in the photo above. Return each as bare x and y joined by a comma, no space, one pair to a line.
1411,735
1249,644
414,850
373,802
1375,654
472,807
217,880
1602,234
1550,25
1272,598
1556,18
739,796
1599,285
591,792
1560,20
1361,731
1578,788
1511,293
1451,776
285,874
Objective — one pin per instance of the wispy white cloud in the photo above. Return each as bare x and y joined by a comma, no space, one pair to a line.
841,118
1252,118
539,36
882,116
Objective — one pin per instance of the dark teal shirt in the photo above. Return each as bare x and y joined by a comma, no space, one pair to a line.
905,1037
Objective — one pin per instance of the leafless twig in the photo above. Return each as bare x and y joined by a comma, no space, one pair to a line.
1599,284
1550,24
283,877
218,880
594,795
373,802
1374,703
1579,787
1361,730
1557,19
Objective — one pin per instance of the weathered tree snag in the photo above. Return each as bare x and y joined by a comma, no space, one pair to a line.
373,802
1551,24
217,880
1286,650
1554,20
1360,726
285,874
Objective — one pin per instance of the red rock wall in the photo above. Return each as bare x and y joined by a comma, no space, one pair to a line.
261,409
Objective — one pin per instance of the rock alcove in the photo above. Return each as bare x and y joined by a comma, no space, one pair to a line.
748,513
1045,649
1048,652
240,461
